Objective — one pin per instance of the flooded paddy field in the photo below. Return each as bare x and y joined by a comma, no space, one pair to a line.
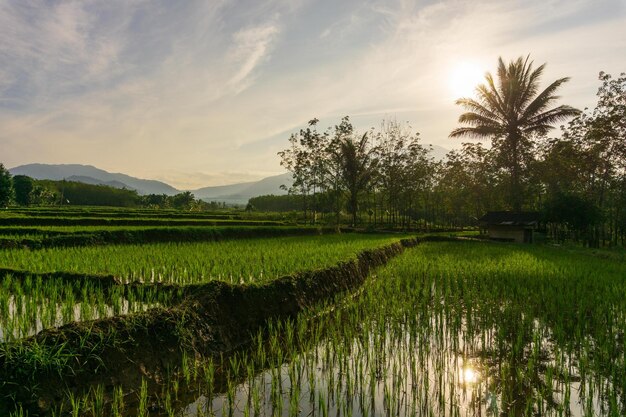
444,328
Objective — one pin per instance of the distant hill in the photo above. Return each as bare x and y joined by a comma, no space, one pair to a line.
242,192
93,181
92,175
238,193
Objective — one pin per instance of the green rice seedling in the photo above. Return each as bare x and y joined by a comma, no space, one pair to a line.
118,406
143,399
185,263
96,401
19,412
31,305
75,403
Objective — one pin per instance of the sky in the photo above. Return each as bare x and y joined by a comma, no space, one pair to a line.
199,93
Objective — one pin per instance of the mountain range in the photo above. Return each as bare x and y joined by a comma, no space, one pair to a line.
242,192
234,194
92,175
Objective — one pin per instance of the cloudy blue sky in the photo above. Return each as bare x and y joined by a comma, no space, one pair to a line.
206,92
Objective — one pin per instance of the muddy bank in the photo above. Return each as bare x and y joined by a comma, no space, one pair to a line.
214,319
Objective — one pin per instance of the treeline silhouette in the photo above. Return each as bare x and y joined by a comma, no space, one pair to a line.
387,177
25,191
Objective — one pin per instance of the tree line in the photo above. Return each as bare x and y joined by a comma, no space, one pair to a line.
22,190
386,176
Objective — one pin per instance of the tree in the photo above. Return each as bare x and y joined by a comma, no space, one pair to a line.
154,200
23,188
393,148
577,213
357,170
306,160
469,184
182,201
6,188
334,167
599,139
510,111
44,195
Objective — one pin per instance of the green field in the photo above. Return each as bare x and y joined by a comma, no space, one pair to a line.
243,260
463,328
450,329
31,305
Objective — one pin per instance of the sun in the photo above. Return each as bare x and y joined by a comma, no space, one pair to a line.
464,78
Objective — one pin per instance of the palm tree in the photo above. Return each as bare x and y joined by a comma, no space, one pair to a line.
357,166
509,112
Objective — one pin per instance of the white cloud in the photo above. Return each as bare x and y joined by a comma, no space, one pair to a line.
251,46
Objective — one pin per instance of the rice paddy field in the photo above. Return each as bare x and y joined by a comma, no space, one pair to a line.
444,328
240,260
31,304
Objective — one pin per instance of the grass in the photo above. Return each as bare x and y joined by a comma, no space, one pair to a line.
244,260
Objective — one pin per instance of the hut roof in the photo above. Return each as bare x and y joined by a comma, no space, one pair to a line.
510,218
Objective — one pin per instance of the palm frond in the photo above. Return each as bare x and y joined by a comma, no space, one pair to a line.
478,108
475,119
492,92
479,132
531,85
543,100
552,116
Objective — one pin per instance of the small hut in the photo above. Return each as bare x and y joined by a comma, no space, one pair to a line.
509,226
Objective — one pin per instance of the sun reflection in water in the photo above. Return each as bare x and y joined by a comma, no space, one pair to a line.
469,375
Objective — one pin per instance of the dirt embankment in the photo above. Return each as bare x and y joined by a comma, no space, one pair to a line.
214,318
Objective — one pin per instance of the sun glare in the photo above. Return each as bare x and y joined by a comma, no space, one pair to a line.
469,375
464,78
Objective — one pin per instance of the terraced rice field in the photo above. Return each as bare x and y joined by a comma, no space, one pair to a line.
239,261
31,304
460,328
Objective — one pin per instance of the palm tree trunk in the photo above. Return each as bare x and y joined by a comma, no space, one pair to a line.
517,197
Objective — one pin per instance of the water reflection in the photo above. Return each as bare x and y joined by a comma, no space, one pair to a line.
385,375
469,374
22,319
